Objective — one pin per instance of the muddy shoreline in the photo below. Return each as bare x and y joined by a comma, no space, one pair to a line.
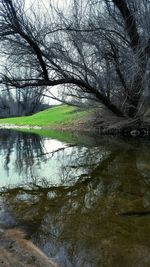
98,130
16,250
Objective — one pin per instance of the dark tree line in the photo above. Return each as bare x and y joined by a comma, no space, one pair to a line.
95,50
26,101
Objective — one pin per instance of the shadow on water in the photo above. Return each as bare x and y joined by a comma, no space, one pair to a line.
83,204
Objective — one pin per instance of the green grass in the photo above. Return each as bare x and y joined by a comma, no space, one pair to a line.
51,117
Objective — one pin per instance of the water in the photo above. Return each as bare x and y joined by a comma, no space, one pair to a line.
85,203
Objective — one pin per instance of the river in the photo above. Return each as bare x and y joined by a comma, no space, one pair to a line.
84,201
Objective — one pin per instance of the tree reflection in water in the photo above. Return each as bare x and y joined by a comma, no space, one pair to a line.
21,149
95,219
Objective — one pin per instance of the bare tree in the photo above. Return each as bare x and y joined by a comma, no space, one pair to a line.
99,50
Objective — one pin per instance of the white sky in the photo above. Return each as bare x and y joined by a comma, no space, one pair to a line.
45,3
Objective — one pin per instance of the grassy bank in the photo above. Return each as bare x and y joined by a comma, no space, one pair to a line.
51,117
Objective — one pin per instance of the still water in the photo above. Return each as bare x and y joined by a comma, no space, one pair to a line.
85,203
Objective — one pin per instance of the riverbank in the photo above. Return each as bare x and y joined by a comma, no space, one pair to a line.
60,118
72,119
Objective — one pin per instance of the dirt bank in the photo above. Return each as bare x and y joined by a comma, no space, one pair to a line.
17,251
